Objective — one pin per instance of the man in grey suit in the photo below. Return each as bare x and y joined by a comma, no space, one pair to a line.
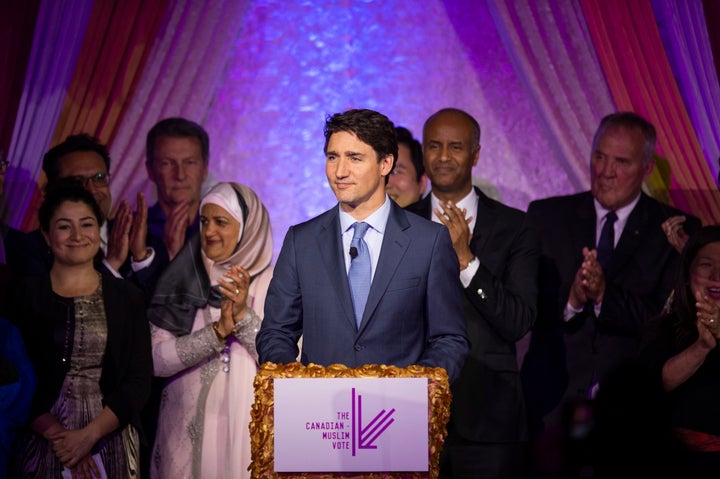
413,312
498,256
595,300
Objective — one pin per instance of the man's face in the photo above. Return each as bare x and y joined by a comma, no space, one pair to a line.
449,153
178,170
402,185
355,175
616,167
89,167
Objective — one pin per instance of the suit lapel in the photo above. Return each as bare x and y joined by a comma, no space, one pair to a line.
635,228
330,245
485,222
394,245
583,225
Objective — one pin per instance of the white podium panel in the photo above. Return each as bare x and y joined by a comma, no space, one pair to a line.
351,424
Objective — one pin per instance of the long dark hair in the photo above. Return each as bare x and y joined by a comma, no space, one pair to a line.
684,301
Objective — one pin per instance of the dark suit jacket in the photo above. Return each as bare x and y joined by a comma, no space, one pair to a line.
565,359
127,363
413,313
488,403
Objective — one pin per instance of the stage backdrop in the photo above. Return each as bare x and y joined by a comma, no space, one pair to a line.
261,76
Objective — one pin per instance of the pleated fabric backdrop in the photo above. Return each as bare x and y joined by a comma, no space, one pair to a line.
262,75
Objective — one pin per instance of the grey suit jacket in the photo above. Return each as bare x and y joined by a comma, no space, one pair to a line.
413,313
500,306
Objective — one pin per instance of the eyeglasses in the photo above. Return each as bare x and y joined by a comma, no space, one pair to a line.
97,180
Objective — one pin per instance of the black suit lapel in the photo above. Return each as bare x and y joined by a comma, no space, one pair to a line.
583,225
485,222
636,228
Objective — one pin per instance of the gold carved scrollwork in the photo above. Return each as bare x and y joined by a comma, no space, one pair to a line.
262,413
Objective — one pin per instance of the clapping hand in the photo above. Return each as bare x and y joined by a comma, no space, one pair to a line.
234,287
459,227
589,283
708,317
118,244
676,235
176,227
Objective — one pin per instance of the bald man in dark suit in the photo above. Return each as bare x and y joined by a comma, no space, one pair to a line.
498,258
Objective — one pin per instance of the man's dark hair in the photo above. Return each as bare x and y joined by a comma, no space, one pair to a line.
628,120
73,143
60,191
416,156
369,126
177,128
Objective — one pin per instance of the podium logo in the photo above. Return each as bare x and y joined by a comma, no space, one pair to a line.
365,435
351,424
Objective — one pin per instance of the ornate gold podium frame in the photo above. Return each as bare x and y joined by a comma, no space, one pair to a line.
262,433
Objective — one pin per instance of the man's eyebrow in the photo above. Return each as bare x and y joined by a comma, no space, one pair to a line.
347,153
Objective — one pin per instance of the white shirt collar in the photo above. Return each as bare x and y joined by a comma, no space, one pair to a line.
622,217
377,219
469,203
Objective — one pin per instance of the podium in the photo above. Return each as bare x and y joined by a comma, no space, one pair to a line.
374,421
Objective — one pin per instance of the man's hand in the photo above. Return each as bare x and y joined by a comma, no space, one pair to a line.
593,276
578,297
175,229
589,282
459,226
118,245
138,230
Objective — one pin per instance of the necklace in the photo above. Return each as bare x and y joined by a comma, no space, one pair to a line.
69,315
68,329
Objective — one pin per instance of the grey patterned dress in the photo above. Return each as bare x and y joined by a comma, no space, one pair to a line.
80,399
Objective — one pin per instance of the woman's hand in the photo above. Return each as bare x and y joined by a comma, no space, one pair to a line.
708,320
676,235
86,468
234,302
72,446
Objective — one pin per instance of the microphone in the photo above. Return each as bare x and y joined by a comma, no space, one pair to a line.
353,252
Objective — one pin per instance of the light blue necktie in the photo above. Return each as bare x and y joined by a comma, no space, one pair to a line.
359,274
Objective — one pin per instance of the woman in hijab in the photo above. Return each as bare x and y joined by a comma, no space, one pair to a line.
204,316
